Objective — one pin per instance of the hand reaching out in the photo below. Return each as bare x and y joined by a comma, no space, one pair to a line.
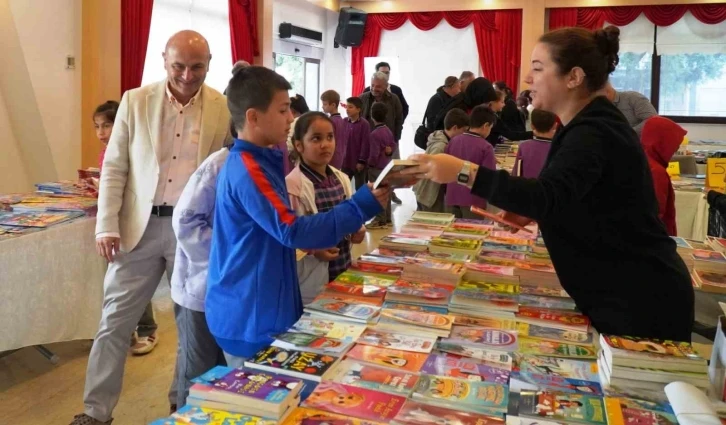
359,236
329,254
382,194
440,168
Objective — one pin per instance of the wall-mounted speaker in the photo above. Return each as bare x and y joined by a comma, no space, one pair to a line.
351,25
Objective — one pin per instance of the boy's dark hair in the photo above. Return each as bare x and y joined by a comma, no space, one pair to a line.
380,65
456,118
502,85
252,88
299,104
107,109
303,123
232,130
379,110
330,96
543,121
355,101
482,115
501,94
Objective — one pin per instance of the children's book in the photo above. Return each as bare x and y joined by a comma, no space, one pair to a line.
429,323
551,303
481,397
437,219
560,407
485,322
391,305
500,220
332,306
350,372
555,319
444,256
378,269
640,352
622,411
393,359
392,177
366,294
536,382
351,277
219,372
539,347
486,338
472,286
453,244
397,341
415,413
311,342
565,368
298,364
393,253
552,334
193,415
375,259
308,416
430,293
543,291
36,219
497,359
344,331
463,368
356,402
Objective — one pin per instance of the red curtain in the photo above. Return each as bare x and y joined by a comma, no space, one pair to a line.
500,30
135,25
595,17
243,30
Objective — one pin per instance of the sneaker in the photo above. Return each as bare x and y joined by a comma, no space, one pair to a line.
375,224
84,419
144,344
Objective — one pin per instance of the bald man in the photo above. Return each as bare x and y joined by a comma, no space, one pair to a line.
162,133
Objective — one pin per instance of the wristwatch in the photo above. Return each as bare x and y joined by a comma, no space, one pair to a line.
464,174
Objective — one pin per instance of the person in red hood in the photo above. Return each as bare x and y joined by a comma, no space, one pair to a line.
661,138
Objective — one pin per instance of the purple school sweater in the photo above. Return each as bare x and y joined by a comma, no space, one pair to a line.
381,136
359,133
475,149
340,128
531,157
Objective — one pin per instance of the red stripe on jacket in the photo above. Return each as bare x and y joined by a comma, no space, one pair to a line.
264,186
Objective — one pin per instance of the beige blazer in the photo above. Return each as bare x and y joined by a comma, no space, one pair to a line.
131,167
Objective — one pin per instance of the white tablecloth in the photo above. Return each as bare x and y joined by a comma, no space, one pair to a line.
691,215
51,286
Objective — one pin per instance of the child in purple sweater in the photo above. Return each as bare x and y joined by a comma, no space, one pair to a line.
359,133
382,145
532,154
471,146
331,103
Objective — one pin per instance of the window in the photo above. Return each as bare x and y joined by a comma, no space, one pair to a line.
686,79
303,75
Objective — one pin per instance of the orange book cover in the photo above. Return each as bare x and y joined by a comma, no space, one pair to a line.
395,359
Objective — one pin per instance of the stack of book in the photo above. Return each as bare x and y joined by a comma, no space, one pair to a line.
404,242
419,293
709,261
345,307
482,272
455,245
432,270
419,323
472,298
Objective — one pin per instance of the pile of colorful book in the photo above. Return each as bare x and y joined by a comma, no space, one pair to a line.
450,335
706,260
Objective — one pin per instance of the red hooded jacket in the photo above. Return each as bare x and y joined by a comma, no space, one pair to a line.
661,138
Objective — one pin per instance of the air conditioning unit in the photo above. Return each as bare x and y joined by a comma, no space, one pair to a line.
290,32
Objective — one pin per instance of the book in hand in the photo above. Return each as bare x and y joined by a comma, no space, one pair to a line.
397,341
486,338
497,359
641,352
498,219
392,177
351,372
356,402
312,343
471,396
561,407
554,366
393,359
298,364
329,306
535,382
464,368
258,393
416,413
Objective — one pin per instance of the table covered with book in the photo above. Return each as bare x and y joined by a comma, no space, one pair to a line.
455,322
52,278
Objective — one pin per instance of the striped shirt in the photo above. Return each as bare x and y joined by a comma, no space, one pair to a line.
636,108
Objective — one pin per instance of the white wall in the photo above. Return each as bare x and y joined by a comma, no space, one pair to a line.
705,131
300,13
336,64
14,175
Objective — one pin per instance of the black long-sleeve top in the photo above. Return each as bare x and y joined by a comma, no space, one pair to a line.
598,215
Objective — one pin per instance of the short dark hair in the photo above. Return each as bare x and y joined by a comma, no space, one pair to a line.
596,52
303,123
379,111
481,115
466,74
107,109
330,96
543,121
502,85
252,88
456,118
380,65
355,101
501,94
299,104
450,81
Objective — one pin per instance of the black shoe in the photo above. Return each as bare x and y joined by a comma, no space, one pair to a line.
172,409
395,199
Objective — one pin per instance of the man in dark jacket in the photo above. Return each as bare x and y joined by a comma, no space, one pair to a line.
510,115
440,100
379,93
385,68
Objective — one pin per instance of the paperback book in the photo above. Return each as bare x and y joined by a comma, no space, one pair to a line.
391,305
486,338
553,334
298,364
497,359
344,331
393,359
311,342
397,341
332,307
308,416
554,366
463,368
560,407
415,323
392,177
415,413
356,402
535,382
473,396
539,347
350,372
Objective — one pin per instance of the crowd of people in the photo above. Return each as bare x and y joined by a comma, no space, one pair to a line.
250,203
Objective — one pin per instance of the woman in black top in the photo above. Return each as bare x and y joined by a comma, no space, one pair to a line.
594,200
510,115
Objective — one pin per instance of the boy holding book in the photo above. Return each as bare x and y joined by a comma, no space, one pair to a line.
471,146
532,154
359,132
252,288
430,195
382,145
331,103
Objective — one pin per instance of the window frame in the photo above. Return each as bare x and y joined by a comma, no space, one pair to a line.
306,60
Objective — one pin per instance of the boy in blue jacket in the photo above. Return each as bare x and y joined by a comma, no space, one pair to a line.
252,288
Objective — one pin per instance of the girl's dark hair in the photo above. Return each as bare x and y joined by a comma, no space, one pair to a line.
299,104
107,109
596,52
302,125
501,85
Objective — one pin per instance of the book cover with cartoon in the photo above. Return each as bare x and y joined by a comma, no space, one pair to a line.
485,322
552,334
396,341
257,385
463,368
573,320
415,413
457,392
566,368
308,416
292,360
488,338
424,290
343,306
540,347
623,411
429,320
543,291
561,407
394,359
350,372
653,346
355,401
498,359
352,278
194,415
538,382
347,332
467,286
